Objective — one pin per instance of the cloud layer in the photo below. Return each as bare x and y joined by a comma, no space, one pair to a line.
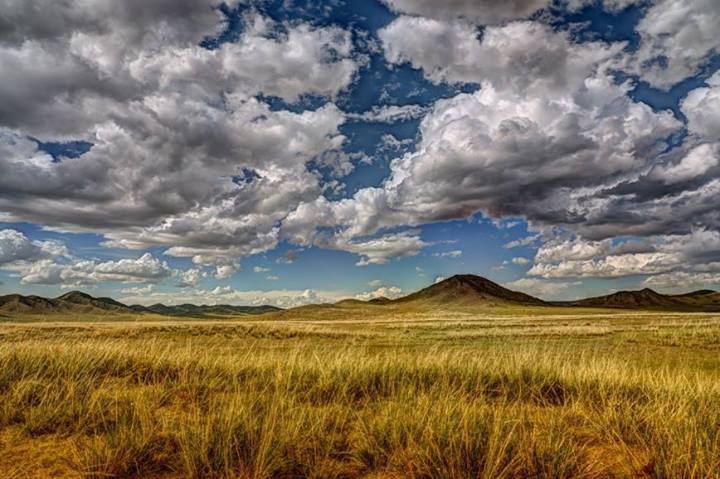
210,151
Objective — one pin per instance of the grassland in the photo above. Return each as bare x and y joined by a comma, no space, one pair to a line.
504,394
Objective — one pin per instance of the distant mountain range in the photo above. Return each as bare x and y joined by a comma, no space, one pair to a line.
459,291
701,300
76,302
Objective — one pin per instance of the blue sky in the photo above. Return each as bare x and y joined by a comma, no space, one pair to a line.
292,152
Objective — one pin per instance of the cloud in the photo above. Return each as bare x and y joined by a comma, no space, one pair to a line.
480,11
138,290
289,257
188,278
549,128
272,277
145,269
526,241
697,162
451,254
520,260
229,295
520,56
391,113
260,269
390,292
543,289
702,108
185,153
677,37
16,248
682,281
698,251
381,250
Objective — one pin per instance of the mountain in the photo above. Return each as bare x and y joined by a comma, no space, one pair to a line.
76,302
72,302
467,290
701,300
16,303
218,309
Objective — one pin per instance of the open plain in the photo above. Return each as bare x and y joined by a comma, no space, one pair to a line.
356,390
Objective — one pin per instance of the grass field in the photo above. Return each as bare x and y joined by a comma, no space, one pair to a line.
591,395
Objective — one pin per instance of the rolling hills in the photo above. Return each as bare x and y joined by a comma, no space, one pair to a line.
76,302
702,300
459,292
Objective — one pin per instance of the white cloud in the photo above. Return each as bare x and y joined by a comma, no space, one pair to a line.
260,269
543,289
480,11
391,113
682,281
138,290
526,241
702,108
696,251
520,260
390,292
229,295
184,153
697,162
525,57
451,254
676,38
17,249
15,246
189,278
145,269
381,250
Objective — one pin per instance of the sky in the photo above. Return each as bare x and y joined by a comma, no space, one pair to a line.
290,152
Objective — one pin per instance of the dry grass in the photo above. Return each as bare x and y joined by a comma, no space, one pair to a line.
591,396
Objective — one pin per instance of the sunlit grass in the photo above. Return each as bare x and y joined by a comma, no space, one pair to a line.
590,397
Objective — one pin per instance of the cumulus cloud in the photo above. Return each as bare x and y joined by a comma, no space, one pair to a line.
682,281
450,254
229,295
546,129
145,269
697,251
391,113
381,250
480,11
702,108
189,153
548,290
16,248
677,37
390,292
185,154
697,162
189,278
520,260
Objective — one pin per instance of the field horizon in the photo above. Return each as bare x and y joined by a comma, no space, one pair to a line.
465,292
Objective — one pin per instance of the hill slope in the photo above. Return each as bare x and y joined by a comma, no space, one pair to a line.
468,290
76,302
702,300
202,310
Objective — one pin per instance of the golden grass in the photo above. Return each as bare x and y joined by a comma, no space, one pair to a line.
590,396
